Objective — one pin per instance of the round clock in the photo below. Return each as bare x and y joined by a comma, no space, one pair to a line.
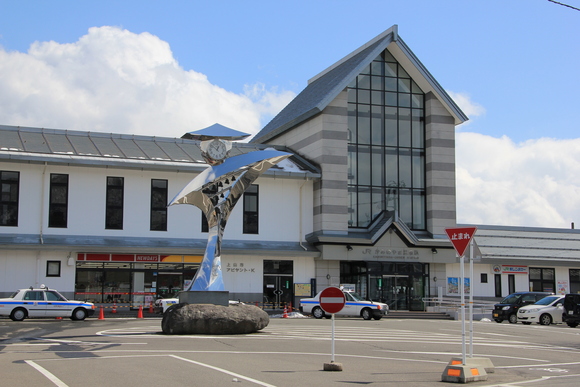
217,150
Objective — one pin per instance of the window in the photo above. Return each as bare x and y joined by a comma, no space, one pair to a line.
158,205
58,201
483,278
9,199
53,268
386,145
114,210
251,210
542,279
574,280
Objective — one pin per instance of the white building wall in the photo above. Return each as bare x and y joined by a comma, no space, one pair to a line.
87,197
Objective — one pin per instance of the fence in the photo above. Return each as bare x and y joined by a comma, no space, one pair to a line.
452,306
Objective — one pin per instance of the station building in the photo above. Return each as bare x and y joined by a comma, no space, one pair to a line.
364,201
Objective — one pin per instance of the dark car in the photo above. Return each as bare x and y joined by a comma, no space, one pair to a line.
571,314
507,309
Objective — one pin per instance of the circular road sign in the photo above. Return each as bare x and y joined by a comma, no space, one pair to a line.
332,300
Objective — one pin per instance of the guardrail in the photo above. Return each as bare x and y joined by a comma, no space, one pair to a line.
452,306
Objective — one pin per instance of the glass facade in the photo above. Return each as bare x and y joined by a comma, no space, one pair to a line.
386,145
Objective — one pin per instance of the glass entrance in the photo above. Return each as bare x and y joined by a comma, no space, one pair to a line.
277,291
400,292
278,283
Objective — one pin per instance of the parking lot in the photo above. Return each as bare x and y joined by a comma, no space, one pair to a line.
289,352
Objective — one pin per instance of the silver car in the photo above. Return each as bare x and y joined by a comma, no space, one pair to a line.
546,311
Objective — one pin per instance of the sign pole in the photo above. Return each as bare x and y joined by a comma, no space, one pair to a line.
332,356
332,301
462,293
471,298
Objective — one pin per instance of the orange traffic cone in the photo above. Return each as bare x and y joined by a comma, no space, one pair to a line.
59,318
150,307
102,314
140,313
114,308
285,315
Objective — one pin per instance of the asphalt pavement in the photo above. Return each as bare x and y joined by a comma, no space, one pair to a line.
130,351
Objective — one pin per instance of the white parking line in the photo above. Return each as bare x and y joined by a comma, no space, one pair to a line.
46,373
224,371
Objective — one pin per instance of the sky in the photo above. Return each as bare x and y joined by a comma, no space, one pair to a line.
165,68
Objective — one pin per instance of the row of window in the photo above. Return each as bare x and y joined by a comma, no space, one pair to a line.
386,145
58,203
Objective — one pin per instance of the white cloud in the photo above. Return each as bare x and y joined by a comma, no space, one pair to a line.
534,183
470,108
113,80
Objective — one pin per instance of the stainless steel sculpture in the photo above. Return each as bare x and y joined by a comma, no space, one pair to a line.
216,191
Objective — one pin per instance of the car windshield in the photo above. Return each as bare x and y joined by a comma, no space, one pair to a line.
13,294
511,299
547,300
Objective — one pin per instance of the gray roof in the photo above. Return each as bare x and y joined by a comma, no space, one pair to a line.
325,87
528,245
122,150
188,246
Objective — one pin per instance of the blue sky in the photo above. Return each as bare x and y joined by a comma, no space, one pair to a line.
511,65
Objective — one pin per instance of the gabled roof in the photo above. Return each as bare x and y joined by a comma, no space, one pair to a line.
325,87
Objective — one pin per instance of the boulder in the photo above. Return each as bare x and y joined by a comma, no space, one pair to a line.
209,319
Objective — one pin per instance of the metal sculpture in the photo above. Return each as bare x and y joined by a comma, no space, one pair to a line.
216,191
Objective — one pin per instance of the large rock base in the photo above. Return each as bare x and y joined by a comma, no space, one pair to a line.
209,319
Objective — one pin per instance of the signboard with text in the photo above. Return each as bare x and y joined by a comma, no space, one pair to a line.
460,238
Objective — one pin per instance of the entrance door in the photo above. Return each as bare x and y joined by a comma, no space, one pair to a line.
400,292
277,291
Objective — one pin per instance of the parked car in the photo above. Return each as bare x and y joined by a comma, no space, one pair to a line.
545,312
507,309
355,306
43,302
571,315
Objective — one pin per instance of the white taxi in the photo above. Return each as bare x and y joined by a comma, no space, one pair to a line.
355,306
43,302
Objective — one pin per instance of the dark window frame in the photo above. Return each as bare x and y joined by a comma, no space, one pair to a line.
158,210
386,145
9,198
53,268
57,207
483,278
114,203
251,215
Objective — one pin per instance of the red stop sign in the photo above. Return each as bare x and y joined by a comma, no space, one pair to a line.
332,300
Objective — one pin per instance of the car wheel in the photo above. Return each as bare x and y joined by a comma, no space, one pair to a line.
572,324
497,320
79,314
366,314
513,318
18,314
317,312
545,319
526,323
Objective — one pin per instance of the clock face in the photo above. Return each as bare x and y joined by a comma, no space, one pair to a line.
217,150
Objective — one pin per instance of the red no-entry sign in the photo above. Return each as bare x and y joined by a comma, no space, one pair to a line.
460,237
332,300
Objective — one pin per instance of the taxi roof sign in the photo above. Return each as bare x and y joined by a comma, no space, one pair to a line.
460,237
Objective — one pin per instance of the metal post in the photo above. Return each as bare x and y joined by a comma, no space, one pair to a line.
332,355
471,298
462,293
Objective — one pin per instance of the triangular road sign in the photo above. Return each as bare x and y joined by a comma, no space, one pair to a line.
460,237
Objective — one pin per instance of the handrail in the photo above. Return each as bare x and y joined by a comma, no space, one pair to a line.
446,304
